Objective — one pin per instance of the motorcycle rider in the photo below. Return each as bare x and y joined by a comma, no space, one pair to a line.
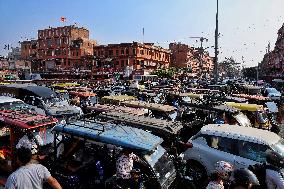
243,179
222,173
274,171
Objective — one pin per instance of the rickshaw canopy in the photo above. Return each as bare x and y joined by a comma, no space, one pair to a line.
123,136
245,106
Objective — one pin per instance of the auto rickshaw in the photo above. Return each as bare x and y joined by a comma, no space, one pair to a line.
116,100
16,124
87,97
155,110
64,85
96,109
256,114
91,148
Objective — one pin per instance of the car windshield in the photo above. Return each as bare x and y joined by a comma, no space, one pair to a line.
279,147
162,165
16,105
52,100
242,120
43,135
272,90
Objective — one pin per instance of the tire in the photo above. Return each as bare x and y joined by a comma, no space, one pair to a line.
197,172
186,185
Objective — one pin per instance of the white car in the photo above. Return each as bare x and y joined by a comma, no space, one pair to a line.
272,93
9,103
241,146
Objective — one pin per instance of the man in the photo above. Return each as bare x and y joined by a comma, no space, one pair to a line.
30,142
29,175
124,166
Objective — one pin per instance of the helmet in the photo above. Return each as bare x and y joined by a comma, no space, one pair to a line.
224,169
244,177
275,159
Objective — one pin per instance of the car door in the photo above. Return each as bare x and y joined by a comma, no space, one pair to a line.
249,153
218,149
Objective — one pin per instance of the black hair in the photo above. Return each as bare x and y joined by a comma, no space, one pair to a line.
214,176
24,155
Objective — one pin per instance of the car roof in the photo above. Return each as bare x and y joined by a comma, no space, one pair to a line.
126,137
244,133
40,91
4,99
271,88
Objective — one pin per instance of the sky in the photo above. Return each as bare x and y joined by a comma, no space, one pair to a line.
245,26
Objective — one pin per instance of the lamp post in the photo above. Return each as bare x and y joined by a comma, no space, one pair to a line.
216,46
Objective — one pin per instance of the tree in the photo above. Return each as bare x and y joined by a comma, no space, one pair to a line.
250,72
229,67
165,73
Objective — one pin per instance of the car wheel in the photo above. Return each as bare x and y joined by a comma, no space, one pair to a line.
195,170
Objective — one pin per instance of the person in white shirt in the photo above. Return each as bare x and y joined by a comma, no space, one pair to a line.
124,166
274,171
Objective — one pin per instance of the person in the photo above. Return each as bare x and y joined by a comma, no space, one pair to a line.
243,179
29,175
274,171
222,173
30,142
220,118
124,166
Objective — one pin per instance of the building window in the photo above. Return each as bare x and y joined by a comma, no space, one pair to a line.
49,52
68,62
57,41
49,42
134,51
110,52
122,52
142,52
63,51
117,62
122,63
57,52
95,53
77,53
116,52
127,51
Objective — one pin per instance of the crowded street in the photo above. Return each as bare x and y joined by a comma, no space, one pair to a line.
142,95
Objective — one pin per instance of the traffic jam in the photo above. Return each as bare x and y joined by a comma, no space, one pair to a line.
160,134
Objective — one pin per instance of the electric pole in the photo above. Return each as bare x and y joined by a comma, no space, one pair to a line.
216,47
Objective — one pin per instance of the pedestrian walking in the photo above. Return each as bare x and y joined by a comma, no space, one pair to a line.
29,175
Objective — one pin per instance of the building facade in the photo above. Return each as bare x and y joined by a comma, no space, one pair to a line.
138,56
61,48
272,64
197,60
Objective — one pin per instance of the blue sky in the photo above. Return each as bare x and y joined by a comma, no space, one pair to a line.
246,26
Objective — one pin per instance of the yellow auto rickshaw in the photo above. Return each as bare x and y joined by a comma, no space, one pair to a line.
256,114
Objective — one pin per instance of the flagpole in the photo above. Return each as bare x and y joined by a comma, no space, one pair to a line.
143,34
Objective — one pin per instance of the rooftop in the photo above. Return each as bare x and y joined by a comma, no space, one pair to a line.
4,99
238,132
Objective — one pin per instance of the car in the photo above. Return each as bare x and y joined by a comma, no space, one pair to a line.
241,146
272,93
42,99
